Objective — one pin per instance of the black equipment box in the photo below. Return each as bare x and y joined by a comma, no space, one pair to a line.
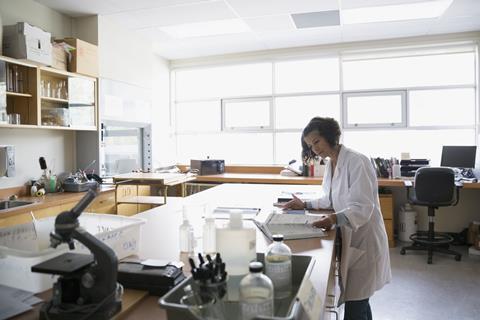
156,280
207,167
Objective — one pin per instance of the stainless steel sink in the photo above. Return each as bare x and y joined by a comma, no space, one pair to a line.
7,204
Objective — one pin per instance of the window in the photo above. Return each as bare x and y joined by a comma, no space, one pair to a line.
295,112
224,81
374,109
447,107
307,75
244,114
388,101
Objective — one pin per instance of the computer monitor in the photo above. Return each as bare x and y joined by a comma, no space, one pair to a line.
458,156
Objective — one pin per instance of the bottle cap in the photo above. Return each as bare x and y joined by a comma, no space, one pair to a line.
255,266
277,237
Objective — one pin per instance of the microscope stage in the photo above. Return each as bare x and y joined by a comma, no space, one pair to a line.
64,264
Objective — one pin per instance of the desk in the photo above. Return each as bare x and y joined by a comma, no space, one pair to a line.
159,236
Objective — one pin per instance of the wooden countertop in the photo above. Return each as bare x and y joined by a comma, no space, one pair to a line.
278,179
50,199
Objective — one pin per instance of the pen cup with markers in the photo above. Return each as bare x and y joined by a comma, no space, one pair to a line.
202,305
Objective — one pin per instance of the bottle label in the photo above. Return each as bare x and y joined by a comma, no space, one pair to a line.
250,310
280,273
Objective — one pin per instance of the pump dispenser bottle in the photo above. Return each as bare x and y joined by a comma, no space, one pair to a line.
237,246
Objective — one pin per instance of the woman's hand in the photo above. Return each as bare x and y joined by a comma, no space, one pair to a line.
326,222
295,204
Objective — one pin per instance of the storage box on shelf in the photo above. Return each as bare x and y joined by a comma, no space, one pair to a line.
84,59
24,41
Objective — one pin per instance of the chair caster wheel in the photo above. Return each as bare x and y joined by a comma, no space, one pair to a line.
458,257
402,252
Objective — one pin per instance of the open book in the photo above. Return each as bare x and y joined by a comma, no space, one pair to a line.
291,226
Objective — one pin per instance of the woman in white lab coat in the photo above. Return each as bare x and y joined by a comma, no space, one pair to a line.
350,188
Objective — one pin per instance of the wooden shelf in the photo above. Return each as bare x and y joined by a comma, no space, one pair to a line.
93,128
54,99
21,126
18,94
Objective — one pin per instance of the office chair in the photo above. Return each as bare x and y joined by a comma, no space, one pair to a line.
434,188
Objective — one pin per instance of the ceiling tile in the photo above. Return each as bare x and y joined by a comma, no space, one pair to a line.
190,13
270,23
147,4
303,37
352,4
255,8
316,19
461,8
384,30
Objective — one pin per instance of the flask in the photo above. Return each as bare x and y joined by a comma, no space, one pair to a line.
209,233
186,234
236,245
278,266
256,293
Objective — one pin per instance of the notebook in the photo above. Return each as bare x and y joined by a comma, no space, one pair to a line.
291,226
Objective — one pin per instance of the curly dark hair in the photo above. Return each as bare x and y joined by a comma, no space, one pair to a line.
328,128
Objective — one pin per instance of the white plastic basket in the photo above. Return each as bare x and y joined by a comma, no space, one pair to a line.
25,245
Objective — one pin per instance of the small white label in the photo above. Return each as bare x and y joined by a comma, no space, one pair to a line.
252,309
280,273
310,300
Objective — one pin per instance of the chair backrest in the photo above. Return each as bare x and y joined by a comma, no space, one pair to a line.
435,186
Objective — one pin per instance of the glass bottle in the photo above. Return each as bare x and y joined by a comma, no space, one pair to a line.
256,293
186,234
278,267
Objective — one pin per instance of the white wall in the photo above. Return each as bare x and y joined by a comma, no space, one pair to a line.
13,11
129,58
55,145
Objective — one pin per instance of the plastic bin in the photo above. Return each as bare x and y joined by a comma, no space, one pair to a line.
285,309
23,246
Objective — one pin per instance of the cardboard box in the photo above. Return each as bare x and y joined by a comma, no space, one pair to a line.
84,58
59,57
24,41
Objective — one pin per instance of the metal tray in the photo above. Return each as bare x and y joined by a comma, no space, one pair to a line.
79,187
285,309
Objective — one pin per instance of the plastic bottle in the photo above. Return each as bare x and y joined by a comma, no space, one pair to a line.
256,293
209,233
236,245
278,267
186,234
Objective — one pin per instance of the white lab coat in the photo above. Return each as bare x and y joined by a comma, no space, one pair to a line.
365,261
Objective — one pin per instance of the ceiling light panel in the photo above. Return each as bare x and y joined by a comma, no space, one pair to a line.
270,23
409,11
352,4
256,8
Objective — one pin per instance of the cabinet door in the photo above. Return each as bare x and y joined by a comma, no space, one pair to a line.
104,203
386,205
14,220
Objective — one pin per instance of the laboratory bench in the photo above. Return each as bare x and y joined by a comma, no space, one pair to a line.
159,240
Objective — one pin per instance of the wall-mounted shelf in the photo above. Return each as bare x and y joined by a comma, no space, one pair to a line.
47,98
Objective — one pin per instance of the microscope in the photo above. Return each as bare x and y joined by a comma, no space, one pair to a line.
87,286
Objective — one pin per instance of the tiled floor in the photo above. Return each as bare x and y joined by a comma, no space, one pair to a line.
446,289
